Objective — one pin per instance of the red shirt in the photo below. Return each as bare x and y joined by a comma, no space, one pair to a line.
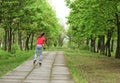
40,41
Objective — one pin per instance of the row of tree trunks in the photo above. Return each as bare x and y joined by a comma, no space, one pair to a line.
10,39
108,47
102,47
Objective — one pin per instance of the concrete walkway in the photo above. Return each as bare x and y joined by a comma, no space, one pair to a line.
52,70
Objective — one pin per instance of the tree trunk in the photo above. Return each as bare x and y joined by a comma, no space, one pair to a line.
98,45
70,41
112,45
10,39
93,42
5,39
32,38
118,37
27,42
105,50
60,40
102,43
87,41
13,38
107,46
20,39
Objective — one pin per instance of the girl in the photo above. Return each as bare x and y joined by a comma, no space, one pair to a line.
39,44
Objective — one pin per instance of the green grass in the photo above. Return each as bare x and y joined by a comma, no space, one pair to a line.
87,67
10,61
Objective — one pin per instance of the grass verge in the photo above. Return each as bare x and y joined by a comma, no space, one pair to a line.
10,61
87,67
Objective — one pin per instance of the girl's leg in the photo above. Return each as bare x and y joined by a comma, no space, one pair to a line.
40,54
35,55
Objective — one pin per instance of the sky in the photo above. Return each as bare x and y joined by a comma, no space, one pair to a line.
62,11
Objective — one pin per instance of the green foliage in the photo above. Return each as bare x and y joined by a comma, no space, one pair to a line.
9,61
91,17
4,55
29,16
15,48
2,34
84,47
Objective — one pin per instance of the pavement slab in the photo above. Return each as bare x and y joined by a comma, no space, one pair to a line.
53,70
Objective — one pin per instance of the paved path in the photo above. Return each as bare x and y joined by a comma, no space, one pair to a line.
52,70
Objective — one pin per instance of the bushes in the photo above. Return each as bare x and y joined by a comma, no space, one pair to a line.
15,47
4,55
84,47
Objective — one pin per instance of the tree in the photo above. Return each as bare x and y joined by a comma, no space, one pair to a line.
93,20
23,20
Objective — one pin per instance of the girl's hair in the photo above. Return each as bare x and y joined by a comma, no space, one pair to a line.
42,34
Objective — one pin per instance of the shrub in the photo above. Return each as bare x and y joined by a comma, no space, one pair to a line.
15,47
4,54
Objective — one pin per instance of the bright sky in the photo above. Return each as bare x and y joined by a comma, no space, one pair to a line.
61,9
